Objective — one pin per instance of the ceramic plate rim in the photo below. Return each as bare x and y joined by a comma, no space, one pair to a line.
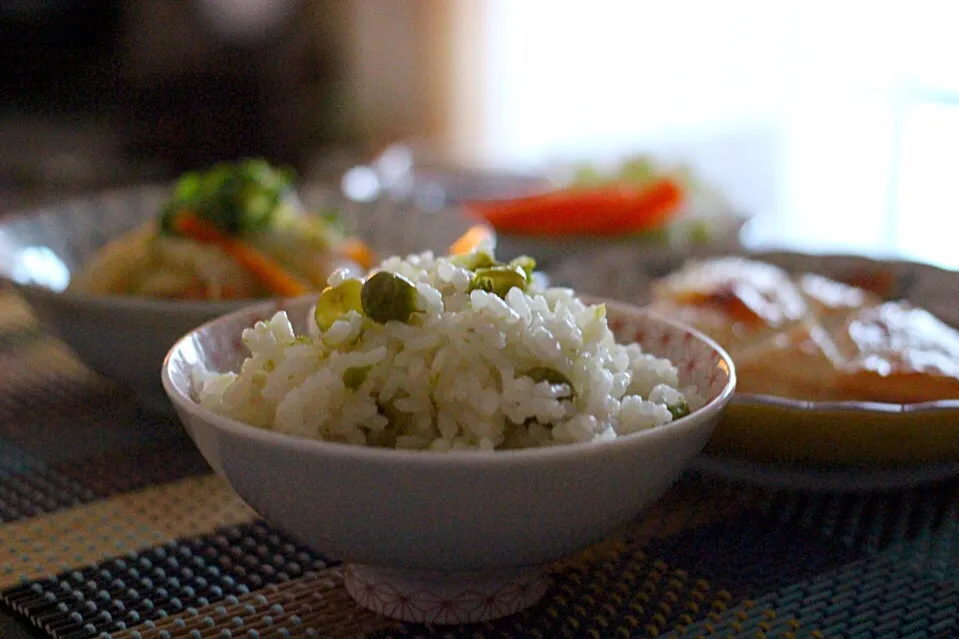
788,404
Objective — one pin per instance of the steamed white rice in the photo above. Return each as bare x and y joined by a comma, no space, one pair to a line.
455,378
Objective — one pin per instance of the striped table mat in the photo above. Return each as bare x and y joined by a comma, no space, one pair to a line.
113,526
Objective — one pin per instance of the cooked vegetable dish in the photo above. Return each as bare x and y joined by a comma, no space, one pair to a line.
639,198
235,231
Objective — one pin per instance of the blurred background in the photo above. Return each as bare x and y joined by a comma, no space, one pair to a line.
836,124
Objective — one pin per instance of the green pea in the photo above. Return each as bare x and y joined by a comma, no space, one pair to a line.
388,296
526,263
679,409
354,376
498,280
546,374
475,260
336,301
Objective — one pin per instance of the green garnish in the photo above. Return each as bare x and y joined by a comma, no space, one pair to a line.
333,218
638,171
587,175
388,296
237,198
336,301
699,232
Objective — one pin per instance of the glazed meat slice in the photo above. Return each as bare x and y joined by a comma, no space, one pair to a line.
799,363
810,337
738,302
830,301
895,352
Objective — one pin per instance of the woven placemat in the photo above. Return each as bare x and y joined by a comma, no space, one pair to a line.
113,526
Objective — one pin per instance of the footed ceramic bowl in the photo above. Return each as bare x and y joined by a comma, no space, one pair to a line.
126,338
448,537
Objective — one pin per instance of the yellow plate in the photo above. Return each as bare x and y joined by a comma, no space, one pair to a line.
850,434
783,433
779,430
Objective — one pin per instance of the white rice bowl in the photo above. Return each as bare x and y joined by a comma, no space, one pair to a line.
455,377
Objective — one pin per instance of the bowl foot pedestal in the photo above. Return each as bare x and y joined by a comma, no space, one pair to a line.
444,598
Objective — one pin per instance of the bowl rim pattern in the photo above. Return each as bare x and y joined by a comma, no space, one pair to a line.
548,454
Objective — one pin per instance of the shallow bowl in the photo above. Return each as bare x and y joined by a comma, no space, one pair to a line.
126,338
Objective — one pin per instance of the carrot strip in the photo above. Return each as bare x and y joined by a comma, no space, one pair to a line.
266,270
229,293
187,223
196,290
357,251
601,211
468,241
276,279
